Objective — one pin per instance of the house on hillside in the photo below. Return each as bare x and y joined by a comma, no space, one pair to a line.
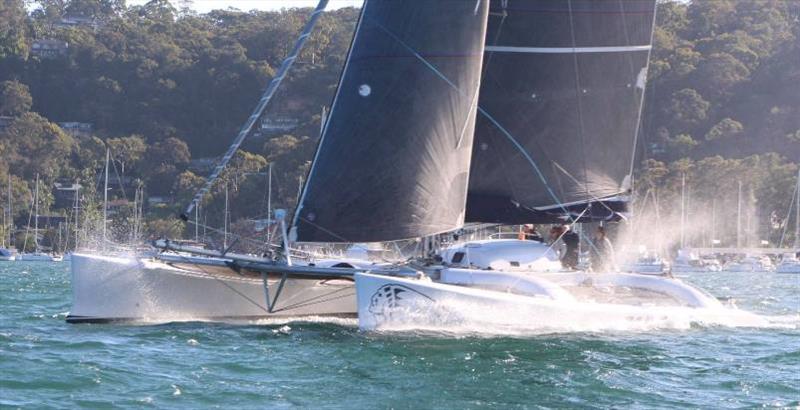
279,124
64,194
77,129
49,48
69,21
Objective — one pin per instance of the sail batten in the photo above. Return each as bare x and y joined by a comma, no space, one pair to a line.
393,160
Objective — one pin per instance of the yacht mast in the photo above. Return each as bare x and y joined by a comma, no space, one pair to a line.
797,214
10,214
225,221
269,200
77,210
713,221
739,218
197,223
36,215
683,210
105,199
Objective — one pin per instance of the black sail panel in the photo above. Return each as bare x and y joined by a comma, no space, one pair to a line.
393,159
559,108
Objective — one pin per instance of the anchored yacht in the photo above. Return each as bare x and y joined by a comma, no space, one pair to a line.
789,264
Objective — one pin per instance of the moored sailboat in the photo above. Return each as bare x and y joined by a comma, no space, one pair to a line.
37,255
790,262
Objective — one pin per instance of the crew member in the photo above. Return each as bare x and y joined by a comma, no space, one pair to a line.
571,241
602,252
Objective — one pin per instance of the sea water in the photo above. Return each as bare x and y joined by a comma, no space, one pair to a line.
47,363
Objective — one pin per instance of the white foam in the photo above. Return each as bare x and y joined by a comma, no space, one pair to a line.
457,318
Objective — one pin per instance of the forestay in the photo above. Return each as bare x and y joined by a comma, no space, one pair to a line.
559,109
394,156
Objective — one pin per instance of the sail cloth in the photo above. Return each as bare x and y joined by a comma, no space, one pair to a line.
559,108
393,159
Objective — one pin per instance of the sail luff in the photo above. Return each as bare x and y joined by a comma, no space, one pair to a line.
325,123
641,101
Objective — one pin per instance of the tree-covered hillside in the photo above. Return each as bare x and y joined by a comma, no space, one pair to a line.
164,87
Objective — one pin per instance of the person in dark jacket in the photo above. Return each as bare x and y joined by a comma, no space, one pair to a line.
571,241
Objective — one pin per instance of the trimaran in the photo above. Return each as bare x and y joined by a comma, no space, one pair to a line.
448,113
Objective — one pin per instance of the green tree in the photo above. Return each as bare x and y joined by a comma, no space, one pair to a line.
172,151
688,106
683,143
185,186
724,129
127,151
15,98
12,29
37,146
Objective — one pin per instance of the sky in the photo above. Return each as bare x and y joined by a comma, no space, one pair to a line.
204,6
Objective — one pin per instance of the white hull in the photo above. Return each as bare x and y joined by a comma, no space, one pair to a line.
644,269
678,268
746,267
38,257
788,268
7,258
390,302
106,289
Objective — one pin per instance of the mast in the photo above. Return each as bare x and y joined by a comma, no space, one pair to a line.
36,214
105,199
269,198
10,214
713,221
683,210
77,210
797,214
196,223
225,220
739,218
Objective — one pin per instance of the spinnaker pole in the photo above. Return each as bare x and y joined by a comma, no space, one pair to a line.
269,92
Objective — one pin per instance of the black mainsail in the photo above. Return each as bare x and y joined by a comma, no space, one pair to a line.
393,159
559,109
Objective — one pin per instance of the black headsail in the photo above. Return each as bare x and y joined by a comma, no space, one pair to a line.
393,159
559,109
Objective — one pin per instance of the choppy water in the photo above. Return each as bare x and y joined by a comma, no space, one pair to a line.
46,363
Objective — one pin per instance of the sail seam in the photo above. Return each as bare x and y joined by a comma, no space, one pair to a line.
567,50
